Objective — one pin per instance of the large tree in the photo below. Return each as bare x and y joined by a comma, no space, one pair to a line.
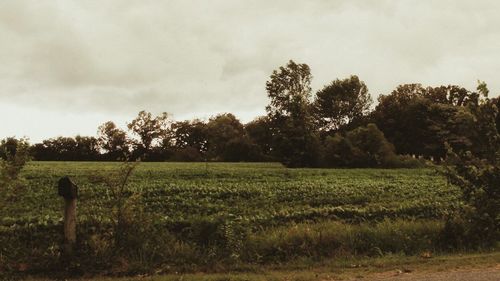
259,131
149,129
113,141
420,120
341,102
80,148
289,90
190,136
224,130
476,171
295,140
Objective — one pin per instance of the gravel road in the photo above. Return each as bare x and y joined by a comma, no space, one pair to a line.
484,274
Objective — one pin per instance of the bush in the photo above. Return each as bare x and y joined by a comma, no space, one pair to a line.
477,173
364,147
14,154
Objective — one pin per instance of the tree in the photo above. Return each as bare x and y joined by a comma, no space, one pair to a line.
57,149
190,134
420,120
241,149
451,94
339,152
371,147
223,129
477,172
294,139
496,102
80,148
87,148
149,129
259,132
341,102
14,154
289,90
113,141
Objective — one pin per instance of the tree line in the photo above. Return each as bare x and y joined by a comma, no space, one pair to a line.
335,127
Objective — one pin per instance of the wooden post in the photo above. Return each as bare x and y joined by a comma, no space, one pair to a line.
69,224
69,191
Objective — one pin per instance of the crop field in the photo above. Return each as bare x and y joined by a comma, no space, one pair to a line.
262,194
201,216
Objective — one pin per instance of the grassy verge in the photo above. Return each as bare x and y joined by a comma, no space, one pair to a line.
219,246
333,269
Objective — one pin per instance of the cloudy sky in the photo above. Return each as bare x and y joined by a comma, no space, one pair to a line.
68,66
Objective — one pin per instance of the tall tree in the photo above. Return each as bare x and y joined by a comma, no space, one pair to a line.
341,102
190,136
420,120
451,94
295,141
222,129
477,172
259,131
87,148
149,129
113,141
290,91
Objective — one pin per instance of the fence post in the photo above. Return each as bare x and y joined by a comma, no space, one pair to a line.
69,191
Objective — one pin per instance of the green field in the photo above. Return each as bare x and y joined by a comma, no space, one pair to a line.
223,216
261,193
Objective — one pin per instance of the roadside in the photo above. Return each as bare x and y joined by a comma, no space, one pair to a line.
471,274
466,267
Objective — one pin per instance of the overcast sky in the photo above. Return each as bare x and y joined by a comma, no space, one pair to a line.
68,66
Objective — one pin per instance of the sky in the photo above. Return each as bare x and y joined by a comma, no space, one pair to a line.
68,66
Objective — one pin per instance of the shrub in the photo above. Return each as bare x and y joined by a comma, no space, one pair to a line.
14,154
365,147
477,173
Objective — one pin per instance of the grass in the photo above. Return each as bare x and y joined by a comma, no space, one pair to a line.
220,217
337,269
262,193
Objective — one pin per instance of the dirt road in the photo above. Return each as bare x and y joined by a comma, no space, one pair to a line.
483,274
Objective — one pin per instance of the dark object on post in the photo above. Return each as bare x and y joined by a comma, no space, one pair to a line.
69,191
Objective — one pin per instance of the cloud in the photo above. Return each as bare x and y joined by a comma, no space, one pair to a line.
194,58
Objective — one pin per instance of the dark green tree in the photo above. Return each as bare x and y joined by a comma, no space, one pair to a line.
113,141
477,172
259,131
189,140
341,102
224,130
420,120
294,138
149,129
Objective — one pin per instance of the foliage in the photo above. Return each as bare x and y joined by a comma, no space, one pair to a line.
477,172
224,131
364,147
14,154
149,129
299,127
183,217
113,141
295,141
289,90
341,102
419,121
259,132
190,135
264,194
80,148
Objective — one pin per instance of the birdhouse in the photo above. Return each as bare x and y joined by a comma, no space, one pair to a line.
67,189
